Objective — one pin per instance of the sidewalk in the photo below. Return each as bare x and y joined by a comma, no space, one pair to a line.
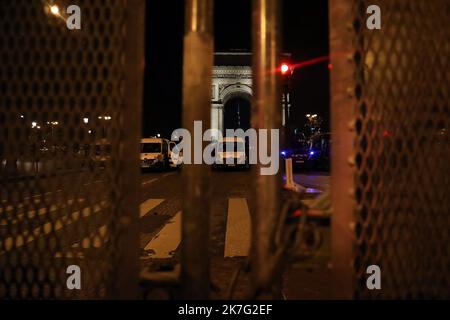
310,279
316,180
302,281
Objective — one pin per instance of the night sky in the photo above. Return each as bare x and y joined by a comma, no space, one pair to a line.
305,36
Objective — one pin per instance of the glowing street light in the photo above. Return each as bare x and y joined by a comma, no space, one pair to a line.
54,9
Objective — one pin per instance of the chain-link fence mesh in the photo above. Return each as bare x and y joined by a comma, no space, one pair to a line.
61,134
402,149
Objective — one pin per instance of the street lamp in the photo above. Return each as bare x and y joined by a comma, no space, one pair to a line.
106,120
54,9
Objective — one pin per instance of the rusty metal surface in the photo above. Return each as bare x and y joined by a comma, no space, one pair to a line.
67,189
197,81
402,150
342,113
126,274
265,202
398,83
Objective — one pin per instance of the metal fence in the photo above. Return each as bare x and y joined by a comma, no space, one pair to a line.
391,172
69,134
69,109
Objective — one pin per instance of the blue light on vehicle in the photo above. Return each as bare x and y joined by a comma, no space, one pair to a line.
311,153
283,153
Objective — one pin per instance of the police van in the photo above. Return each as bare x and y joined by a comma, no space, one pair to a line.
154,153
232,152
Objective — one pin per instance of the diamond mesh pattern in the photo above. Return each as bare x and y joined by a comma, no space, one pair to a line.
61,101
402,149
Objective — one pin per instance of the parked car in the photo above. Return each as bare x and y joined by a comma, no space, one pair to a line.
155,153
299,154
319,152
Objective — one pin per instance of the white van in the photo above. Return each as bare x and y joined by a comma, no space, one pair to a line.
154,153
231,152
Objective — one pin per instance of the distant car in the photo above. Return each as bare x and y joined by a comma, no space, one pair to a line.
319,152
155,153
231,153
299,157
101,154
298,153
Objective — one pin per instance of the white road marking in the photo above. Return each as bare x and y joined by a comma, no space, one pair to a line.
156,179
31,214
93,182
19,206
50,192
167,240
238,233
149,205
48,227
97,238
149,181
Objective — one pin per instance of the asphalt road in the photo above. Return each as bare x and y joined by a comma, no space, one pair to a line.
75,227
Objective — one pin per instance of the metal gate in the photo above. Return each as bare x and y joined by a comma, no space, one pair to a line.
69,134
70,126
391,172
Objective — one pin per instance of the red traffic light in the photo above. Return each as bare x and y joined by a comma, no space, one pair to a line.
285,68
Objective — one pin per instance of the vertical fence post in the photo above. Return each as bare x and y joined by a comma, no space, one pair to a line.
342,112
127,270
197,81
266,115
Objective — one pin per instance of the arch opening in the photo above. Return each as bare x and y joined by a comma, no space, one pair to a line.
237,114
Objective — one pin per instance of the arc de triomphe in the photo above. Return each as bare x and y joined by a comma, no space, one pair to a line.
232,78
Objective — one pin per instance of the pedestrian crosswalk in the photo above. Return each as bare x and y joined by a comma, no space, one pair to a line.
99,236
163,243
237,238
